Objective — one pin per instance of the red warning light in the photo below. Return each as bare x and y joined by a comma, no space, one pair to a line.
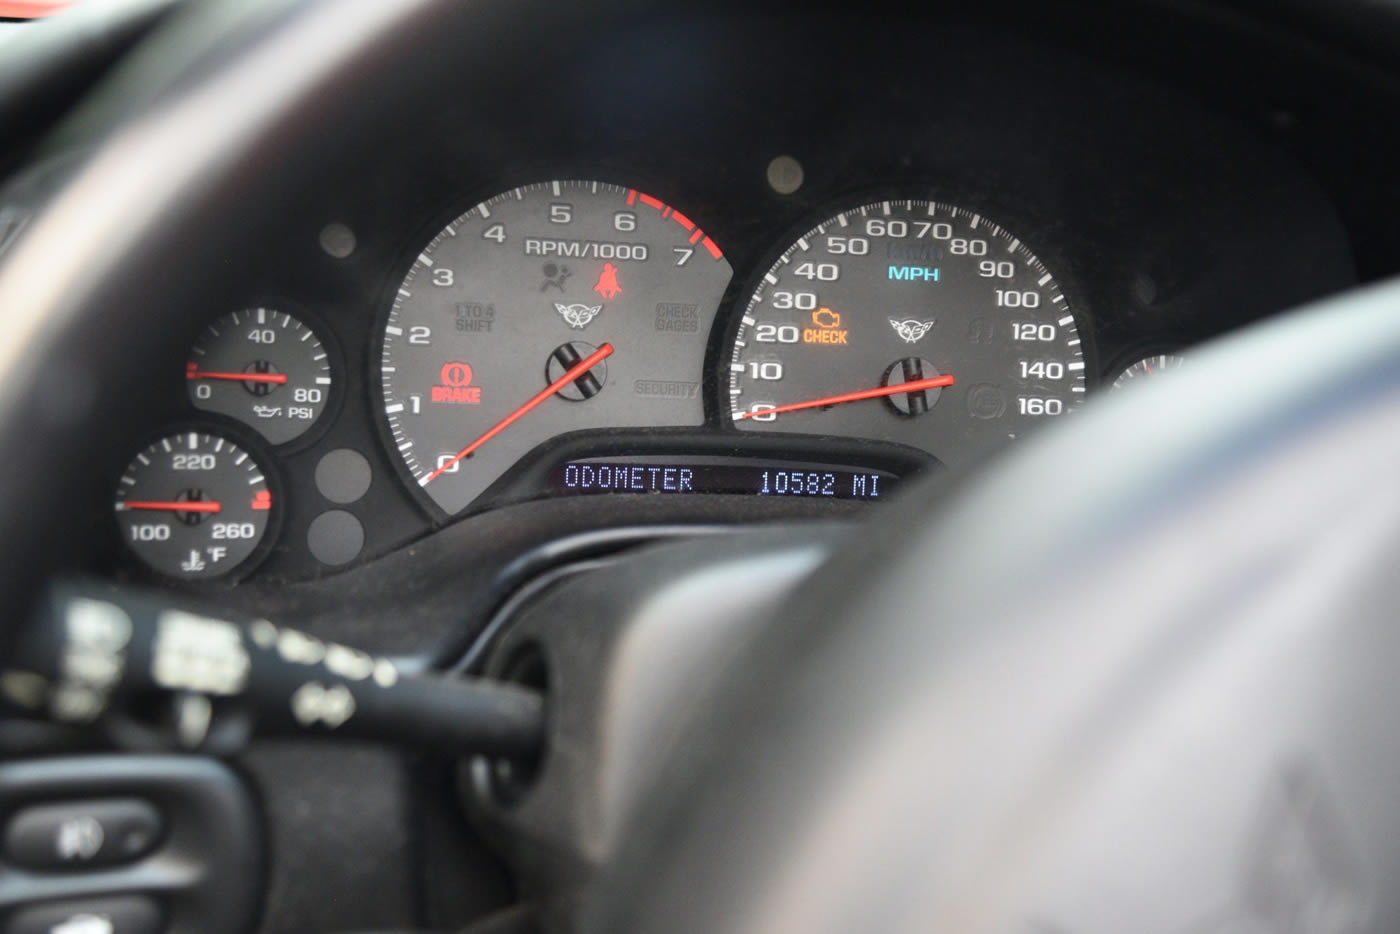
607,285
456,385
262,500
456,374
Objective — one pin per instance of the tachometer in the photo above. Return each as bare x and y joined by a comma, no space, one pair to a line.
546,309
907,321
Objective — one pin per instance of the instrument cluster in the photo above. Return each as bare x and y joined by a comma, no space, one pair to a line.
813,312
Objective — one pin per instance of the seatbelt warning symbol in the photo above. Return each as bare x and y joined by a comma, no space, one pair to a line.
607,284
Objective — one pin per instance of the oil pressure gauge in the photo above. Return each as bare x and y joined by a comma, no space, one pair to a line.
263,367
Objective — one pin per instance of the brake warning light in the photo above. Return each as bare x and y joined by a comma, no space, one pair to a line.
456,385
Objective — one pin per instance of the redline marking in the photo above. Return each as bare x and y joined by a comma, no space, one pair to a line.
681,219
631,196
714,250
697,235
651,202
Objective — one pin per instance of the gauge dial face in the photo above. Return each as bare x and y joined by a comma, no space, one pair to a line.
264,368
908,321
194,506
1146,368
546,309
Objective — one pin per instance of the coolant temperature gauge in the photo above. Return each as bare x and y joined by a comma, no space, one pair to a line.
264,368
194,506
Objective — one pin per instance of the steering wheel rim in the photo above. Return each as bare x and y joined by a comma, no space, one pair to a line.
103,254
967,742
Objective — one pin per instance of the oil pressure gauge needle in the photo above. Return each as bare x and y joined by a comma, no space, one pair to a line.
918,385
278,378
573,373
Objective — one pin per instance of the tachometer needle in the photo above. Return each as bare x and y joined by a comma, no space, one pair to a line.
172,505
933,382
278,378
573,373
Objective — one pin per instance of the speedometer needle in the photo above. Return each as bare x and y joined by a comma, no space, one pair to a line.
200,505
279,378
573,373
933,382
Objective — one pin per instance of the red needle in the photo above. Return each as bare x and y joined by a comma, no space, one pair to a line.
278,378
174,506
933,382
573,373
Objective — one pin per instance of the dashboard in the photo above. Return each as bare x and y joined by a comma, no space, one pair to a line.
738,258
656,274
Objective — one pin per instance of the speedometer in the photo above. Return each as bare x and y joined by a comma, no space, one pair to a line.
909,321
549,308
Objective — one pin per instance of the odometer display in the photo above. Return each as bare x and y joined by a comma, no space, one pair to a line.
549,308
683,476
908,321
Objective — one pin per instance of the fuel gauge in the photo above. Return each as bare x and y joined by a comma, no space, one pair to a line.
1147,368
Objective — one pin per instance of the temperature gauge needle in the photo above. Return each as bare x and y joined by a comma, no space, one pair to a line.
172,505
278,378
933,382
573,373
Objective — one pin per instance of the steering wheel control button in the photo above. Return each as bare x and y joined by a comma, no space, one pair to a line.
122,914
343,476
81,835
335,537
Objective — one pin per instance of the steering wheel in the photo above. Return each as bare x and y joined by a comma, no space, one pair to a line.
1144,690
